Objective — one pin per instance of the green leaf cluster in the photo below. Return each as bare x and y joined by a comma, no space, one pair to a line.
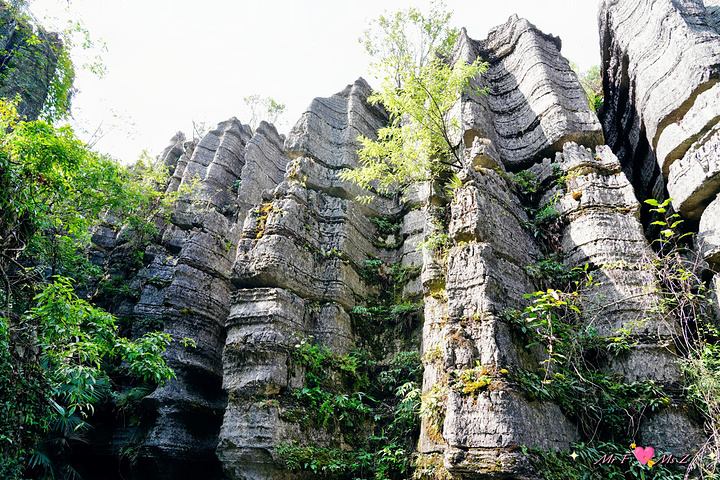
353,393
420,142
64,372
604,405
420,88
405,41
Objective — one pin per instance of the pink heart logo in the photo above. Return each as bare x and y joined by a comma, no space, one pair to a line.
644,454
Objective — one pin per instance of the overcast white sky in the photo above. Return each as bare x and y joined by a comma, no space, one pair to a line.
170,62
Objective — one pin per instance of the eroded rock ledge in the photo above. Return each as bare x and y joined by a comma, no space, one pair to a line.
272,250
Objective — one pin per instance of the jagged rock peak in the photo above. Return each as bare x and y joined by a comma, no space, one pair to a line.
534,102
503,39
329,128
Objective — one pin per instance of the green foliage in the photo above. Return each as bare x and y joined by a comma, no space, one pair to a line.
393,277
452,185
55,190
591,81
67,371
432,408
325,400
419,144
24,401
687,302
438,241
550,272
526,183
604,405
47,54
588,465
391,403
419,89
470,380
546,224
385,227
407,40
263,109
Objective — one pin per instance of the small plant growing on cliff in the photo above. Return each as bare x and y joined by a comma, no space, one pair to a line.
432,409
687,302
263,109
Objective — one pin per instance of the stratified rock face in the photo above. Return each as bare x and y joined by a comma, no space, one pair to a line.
328,131
604,232
185,288
661,61
465,329
661,64
27,66
268,249
298,273
533,103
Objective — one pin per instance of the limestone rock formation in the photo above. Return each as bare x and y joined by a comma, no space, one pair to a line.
27,66
660,64
298,273
184,286
268,251
661,96
533,102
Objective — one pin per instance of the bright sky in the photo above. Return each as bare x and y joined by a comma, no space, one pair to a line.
170,62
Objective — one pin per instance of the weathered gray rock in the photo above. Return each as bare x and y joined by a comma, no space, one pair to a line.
329,129
660,63
709,233
185,287
534,102
603,232
264,169
694,181
485,211
271,249
216,164
28,65
300,269
172,153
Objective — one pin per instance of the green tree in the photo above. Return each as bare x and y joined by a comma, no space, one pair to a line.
419,89
591,81
58,353
55,381
407,40
263,109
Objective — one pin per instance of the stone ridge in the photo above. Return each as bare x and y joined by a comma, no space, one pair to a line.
299,271
184,286
661,61
329,129
269,249
534,102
